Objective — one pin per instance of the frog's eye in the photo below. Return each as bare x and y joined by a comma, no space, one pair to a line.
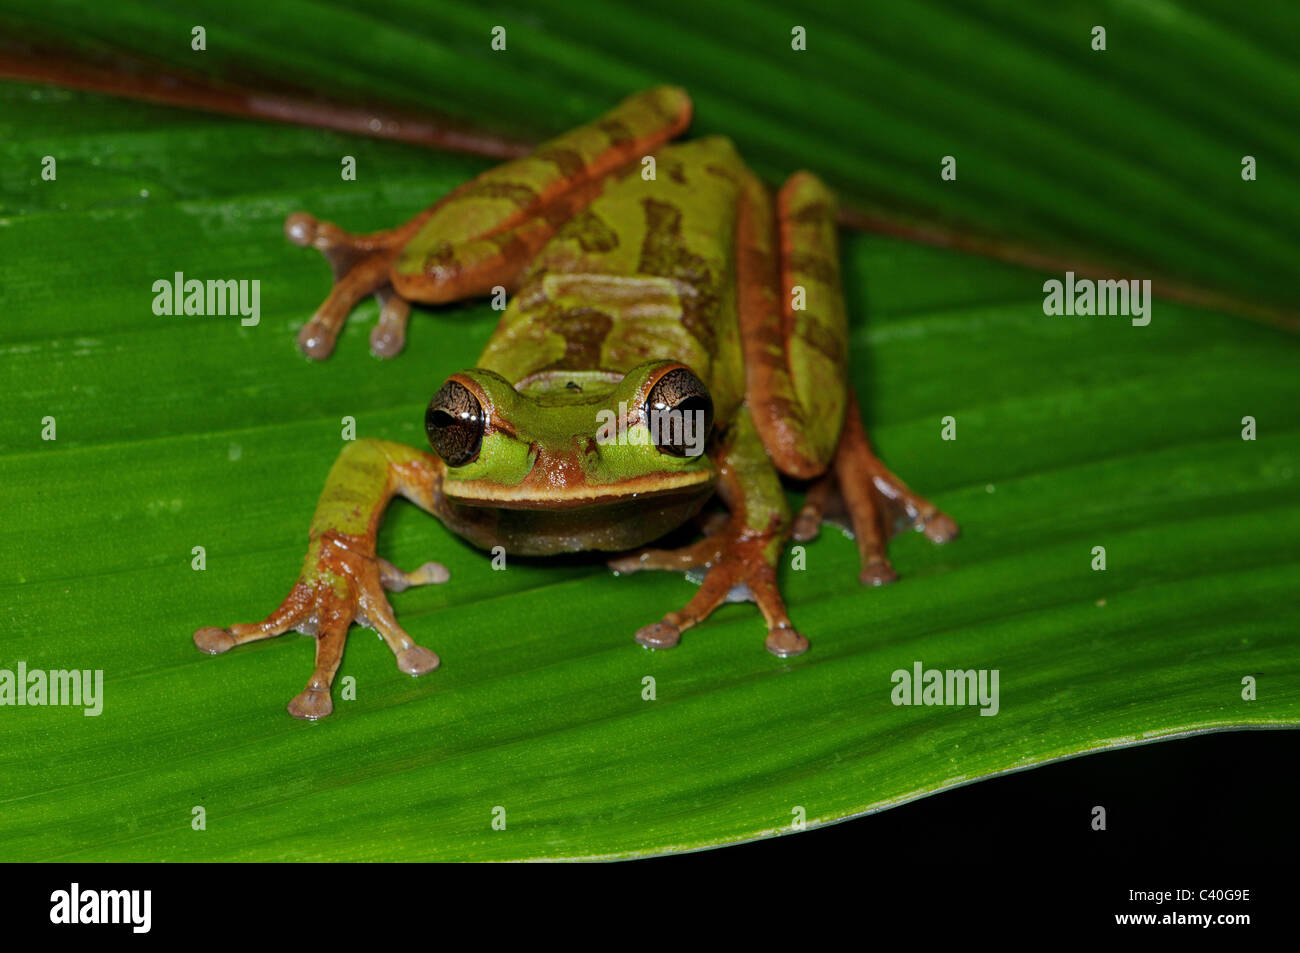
679,412
455,424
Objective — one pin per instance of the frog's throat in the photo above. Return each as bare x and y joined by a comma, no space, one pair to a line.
531,495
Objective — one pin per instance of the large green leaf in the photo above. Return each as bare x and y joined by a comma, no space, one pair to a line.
1126,159
178,432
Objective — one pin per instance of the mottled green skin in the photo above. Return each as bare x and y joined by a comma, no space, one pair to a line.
645,273
361,477
621,277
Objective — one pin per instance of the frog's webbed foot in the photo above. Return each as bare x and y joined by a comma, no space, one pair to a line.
339,586
860,494
737,566
361,266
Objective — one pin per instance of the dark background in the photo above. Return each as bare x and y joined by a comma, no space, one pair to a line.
1223,801
1009,854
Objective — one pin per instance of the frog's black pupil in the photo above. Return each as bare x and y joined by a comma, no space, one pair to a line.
681,392
454,422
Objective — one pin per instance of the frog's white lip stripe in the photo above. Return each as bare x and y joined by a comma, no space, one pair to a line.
477,493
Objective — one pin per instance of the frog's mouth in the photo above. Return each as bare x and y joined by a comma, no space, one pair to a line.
553,495
618,519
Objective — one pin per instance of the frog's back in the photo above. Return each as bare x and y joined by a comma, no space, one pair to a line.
646,272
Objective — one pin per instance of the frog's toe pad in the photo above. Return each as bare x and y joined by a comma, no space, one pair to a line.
430,574
387,341
300,228
625,564
877,574
660,635
807,526
311,704
417,660
315,340
783,642
212,640
941,528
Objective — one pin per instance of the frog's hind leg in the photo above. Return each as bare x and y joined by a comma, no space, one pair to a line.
796,341
876,504
483,234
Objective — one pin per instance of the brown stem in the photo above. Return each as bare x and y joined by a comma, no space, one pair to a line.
1017,253
132,79
170,86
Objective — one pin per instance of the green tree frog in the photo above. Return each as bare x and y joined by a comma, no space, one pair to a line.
674,333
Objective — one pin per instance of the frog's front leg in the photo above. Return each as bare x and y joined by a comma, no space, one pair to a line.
740,558
484,233
342,579
361,265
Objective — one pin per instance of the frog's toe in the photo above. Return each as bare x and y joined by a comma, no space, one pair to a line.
940,528
877,572
660,635
360,264
316,339
417,660
386,341
784,641
622,565
213,640
395,580
807,526
311,703
388,337
411,658
300,228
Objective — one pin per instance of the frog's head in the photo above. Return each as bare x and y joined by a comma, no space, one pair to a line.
568,460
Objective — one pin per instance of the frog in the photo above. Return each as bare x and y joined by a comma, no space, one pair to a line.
674,347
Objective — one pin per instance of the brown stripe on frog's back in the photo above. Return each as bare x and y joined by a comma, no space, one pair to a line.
591,232
657,256
664,253
499,198
591,322
584,329
671,167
